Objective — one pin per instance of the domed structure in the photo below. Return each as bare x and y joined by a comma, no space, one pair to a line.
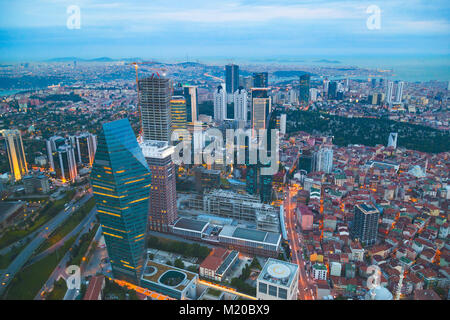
379,293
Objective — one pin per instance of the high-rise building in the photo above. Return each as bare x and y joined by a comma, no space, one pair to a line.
365,224
304,88
389,91
84,145
191,95
121,181
53,143
313,94
220,103
231,78
16,154
332,90
246,82
323,160
163,195
178,113
392,141
261,107
283,123
154,99
251,181
65,165
260,79
399,92
326,84
240,104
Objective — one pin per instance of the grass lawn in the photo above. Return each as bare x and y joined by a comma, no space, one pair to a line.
80,251
6,259
73,221
27,282
59,290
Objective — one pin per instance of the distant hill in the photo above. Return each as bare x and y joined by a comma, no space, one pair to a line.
290,74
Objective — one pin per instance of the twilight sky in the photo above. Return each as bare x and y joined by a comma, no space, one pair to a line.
245,29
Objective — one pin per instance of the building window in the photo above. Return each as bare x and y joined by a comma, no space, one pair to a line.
272,290
282,293
263,288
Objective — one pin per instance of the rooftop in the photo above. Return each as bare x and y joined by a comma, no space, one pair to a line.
278,272
190,224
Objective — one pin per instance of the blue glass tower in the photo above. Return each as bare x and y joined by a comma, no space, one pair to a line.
120,181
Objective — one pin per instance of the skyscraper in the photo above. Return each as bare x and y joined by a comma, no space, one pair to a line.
392,141
261,107
332,90
121,181
399,92
240,104
231,78
323,160
260,79
220,103
304,88
64,163
163,195
178,112
389,91
84,145
16,153
191,96
154,99
365,224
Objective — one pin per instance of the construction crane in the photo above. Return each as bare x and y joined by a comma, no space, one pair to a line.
135,64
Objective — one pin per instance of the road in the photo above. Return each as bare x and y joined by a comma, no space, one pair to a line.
86,221
304,285
28,251
61,267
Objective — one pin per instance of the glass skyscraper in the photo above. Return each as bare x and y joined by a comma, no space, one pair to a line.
231,78
16,154
121,184
303,95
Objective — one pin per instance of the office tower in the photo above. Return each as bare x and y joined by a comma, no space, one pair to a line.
326,84
178,89
84,145
191,96
240,104
178,113
265,191
374,82
16,153
261,107
246,82
303,92
163,195
323,160
260,79
65,165
154,99
121,181
392,141
399,92
36,183
313,94
283,123
232,78
365,223
332,90
251,181
220,103
53,143
389,91
293,96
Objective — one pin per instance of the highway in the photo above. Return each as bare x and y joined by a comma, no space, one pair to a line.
304,286
60,268
28,251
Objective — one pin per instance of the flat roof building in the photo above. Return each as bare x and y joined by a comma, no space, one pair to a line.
278,280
